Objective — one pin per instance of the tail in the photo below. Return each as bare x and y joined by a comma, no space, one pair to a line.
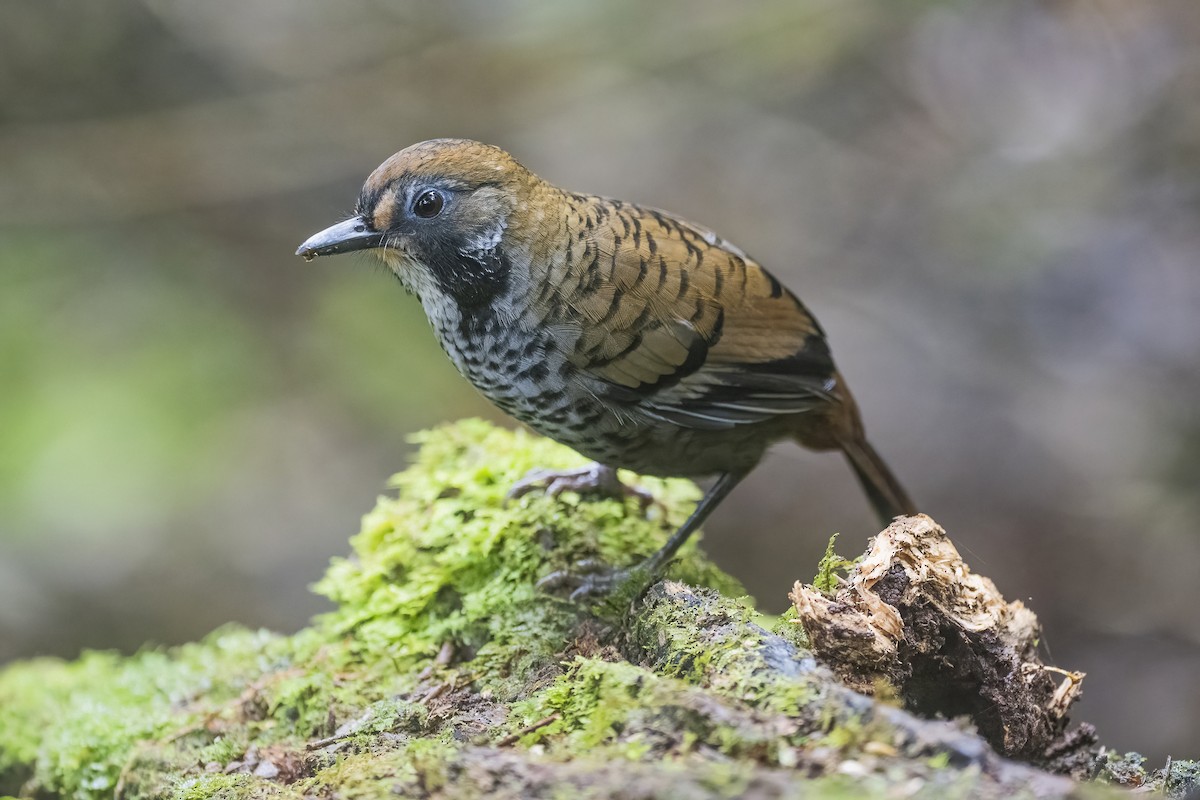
885,493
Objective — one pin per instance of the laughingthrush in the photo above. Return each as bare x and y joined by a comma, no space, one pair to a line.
639,339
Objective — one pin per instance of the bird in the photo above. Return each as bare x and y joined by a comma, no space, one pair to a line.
637,338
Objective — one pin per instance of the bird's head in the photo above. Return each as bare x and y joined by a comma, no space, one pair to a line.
437,213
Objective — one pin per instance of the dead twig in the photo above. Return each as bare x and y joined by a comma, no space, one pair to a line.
513,738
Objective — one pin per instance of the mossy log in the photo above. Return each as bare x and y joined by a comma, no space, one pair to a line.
445,673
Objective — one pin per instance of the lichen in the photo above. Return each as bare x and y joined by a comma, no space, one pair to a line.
1179,778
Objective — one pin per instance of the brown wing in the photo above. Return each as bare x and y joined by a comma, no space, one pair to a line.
685,328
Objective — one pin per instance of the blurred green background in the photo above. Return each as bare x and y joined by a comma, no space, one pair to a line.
992,207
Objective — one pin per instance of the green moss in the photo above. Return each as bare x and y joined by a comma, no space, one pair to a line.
715,642
223,749
788,626
693,690
207,787
684,694
71,727
832,568
368,774
448,560
598,703
452,560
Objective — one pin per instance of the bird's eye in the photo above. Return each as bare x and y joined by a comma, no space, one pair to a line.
429,204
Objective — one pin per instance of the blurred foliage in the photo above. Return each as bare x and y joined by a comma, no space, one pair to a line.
117,389
992,208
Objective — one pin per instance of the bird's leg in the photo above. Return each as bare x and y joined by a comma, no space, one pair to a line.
594,479
590,577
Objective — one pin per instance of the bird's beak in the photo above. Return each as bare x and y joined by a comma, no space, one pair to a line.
353,234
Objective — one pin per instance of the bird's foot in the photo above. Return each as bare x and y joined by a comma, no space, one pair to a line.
594,479
591,578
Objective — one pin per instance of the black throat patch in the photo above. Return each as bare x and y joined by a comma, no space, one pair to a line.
473,279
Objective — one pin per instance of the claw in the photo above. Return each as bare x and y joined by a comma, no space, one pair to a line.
594,479
573,577
600,584
590,578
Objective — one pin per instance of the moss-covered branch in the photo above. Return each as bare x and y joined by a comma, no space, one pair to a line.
445,673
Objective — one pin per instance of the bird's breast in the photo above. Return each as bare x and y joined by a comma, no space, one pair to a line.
523,369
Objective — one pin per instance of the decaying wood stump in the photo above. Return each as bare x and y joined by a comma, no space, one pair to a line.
912,618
